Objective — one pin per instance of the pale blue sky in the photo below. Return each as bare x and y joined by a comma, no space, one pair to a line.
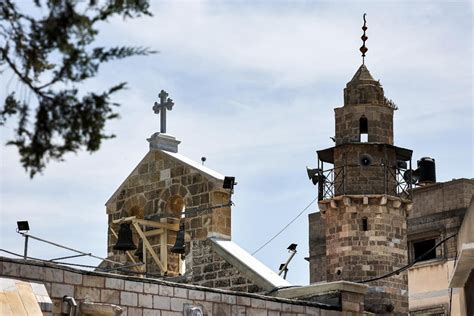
254,87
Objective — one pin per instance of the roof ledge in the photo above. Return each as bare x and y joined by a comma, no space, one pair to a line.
322,288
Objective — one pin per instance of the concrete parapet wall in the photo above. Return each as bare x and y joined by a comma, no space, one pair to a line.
466,232
146,297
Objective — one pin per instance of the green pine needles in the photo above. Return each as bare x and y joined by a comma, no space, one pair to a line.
50,56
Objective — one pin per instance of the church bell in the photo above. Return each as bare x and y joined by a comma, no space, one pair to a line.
139,252
179,244
124,239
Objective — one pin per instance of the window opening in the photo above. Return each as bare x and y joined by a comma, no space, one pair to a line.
363,129
365,224
421,247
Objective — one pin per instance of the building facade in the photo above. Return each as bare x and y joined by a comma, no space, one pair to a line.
439,211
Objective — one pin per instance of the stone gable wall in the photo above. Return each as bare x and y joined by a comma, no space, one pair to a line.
147,193
149,297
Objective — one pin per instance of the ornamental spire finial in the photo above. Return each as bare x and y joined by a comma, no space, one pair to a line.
363,48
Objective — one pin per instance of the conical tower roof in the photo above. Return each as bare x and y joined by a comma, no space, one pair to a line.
363,89
362,74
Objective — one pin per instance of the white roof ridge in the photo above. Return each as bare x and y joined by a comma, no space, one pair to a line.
194,164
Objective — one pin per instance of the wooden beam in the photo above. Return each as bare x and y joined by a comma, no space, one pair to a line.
148,246
153,232
164,245
123,220
180,265
144,222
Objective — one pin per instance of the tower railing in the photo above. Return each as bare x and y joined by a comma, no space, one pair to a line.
329,182
356,179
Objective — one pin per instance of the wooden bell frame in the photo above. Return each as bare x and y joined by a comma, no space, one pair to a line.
162,229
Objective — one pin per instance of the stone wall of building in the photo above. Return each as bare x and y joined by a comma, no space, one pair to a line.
377,177
364,98
317,248
151,297
379,123
438,226
210,270
365,239
363,90
441,197
438,212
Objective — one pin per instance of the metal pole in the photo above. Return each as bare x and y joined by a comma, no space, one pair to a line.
285,267
344,179
25,252
410,184
71,249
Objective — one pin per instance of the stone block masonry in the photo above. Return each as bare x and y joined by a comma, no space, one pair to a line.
365,239
380,124
210,270
317,248
375,178
442,197
160,188
143,297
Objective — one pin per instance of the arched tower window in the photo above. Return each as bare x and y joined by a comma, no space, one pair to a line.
363,129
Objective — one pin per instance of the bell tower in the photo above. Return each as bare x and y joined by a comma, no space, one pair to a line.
363,198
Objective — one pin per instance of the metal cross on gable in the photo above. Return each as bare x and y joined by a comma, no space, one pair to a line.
165,104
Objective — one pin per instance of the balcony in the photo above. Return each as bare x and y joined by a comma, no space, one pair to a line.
362,180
